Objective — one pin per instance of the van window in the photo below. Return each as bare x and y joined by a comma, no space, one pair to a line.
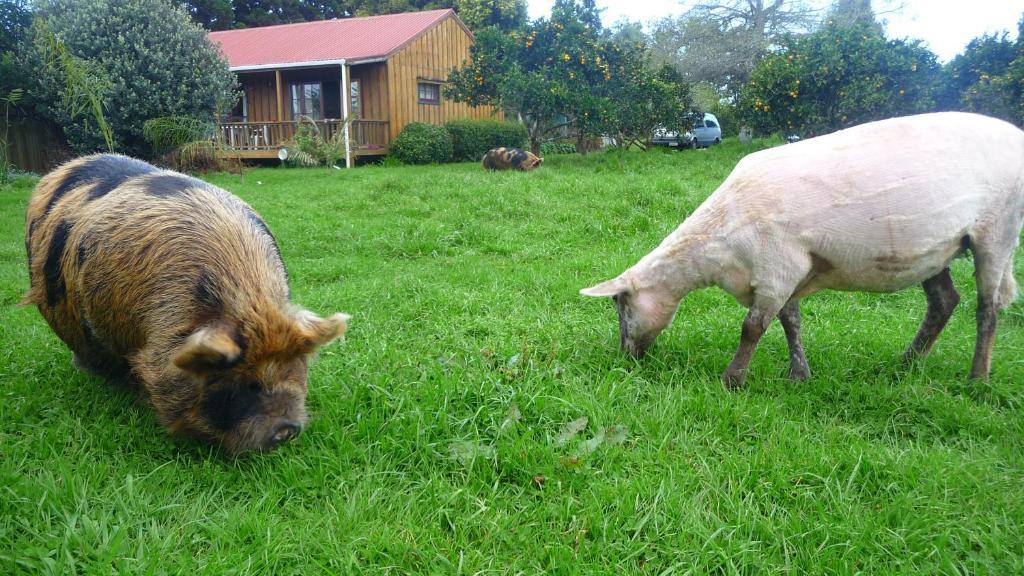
712,124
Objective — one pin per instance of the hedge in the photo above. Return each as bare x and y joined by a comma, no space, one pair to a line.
421,143
471,139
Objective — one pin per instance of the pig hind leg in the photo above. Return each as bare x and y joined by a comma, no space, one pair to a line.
991,263
942,300
790,318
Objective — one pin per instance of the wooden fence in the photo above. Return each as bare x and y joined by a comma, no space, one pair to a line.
34,146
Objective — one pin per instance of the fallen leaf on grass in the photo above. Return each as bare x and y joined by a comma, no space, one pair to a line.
614,435
570,430
512,417
465,451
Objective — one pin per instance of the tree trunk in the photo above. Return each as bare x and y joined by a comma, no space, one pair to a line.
581,143
535,146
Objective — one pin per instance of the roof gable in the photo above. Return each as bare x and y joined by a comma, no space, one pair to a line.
350,39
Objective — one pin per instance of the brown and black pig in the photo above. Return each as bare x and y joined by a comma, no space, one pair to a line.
176,287
510,159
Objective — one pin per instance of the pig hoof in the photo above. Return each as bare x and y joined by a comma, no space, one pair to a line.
734,380
799,372
910,356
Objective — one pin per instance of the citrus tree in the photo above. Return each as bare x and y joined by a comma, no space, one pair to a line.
837,77
546,74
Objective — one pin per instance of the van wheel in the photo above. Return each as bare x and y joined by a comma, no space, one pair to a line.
718,140
693,144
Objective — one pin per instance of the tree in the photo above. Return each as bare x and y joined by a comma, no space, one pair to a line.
624,32
845,13
764,20
373,7
228,14
253,13
1014,78
157,62
720,43
544,74
15,19
584,12
211,14
838,77
503,14
638,98
980,79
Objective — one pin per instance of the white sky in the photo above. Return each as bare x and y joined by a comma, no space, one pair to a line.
945,25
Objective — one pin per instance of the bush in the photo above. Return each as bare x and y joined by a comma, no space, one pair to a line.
154,61
310,148
183,143
471,139
549,148
421,143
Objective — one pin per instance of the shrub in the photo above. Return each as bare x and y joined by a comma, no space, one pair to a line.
421,143
310,148
184,144
471,139
155,62
549,148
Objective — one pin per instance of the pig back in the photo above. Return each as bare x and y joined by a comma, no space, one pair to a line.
889,201
149,259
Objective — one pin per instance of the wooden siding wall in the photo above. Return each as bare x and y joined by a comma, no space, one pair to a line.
373,83
259,89
259,92
430,57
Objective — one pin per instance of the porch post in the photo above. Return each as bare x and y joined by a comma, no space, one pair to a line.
280,97
345,103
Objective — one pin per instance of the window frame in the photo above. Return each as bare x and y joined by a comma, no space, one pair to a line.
292,86
355,96
420,84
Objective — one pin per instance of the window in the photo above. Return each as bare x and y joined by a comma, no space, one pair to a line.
429,93
711,124
307,100
357,99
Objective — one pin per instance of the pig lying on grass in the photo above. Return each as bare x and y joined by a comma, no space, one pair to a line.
176,287
878,207
510,159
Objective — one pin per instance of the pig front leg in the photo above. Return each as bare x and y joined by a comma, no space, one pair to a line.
775,287
754,326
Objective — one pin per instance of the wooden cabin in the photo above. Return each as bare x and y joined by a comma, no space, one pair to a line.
383,72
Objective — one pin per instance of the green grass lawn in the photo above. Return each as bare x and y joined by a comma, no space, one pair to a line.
447,431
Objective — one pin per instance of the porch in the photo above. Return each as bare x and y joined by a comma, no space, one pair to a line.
262,140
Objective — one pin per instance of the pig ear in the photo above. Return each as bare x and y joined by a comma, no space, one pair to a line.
207,349
320,331
607,289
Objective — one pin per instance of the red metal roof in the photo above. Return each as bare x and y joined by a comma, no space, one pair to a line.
351,39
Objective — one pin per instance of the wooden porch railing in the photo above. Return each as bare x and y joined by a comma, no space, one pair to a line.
364,134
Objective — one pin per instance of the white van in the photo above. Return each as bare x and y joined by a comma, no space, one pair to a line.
705,132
